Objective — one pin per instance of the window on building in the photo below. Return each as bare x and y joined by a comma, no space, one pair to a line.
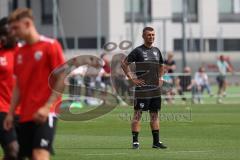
89,42
69,41
231,45
193,45
177,45
140,10
225,6
192,10
229,10
15,4
47,11
28,3
213,45
12,5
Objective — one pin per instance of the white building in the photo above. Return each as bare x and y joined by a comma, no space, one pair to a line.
215,23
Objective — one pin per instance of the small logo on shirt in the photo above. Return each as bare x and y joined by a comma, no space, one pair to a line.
155,53
38,55
19,59
145,56
141,105
3,61
44,143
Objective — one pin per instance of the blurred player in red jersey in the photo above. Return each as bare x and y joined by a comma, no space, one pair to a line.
8,139
106,71
33,65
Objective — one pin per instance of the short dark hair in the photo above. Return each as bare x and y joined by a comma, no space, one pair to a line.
147,29
3,26
19,14
7,42
3,21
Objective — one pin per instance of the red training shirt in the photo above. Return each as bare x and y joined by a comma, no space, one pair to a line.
6,78
33,65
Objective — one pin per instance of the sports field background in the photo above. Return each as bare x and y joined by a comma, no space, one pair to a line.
192,132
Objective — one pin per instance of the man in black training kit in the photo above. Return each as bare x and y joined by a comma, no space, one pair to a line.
148,80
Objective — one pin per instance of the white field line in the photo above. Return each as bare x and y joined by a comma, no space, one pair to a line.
105,154
168,152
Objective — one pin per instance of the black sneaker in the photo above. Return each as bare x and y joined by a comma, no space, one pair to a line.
135,145
159,145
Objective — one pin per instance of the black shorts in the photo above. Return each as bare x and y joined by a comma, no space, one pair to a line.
220,79
35,136
150,104
6,137
106,80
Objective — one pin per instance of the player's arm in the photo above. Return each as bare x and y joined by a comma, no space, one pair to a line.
177,83
161,71
8,122
192,83
125,66
229,68
42,114
161,68
173,67
57,89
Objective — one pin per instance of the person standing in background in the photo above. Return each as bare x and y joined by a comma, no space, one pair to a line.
223,67
149,78
8,48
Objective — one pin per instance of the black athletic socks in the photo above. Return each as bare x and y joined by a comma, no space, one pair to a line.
135,136
155,134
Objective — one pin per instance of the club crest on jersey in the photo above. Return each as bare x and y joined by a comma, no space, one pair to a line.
3,61
19,59
38,55
155,53
141,105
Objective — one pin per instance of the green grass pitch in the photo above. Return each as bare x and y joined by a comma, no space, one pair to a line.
191,132
198,132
